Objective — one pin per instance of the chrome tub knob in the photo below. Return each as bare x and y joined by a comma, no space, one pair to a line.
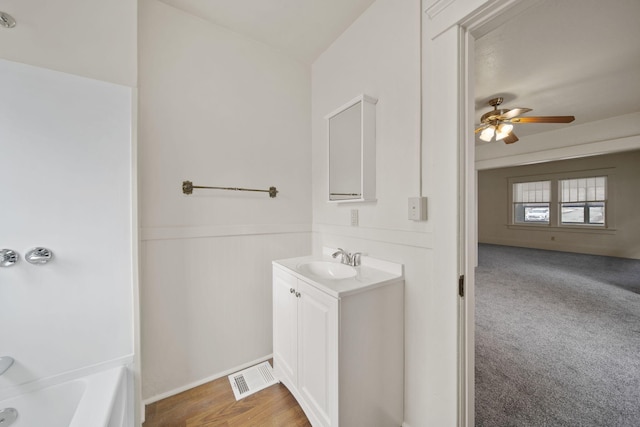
8,257
39,256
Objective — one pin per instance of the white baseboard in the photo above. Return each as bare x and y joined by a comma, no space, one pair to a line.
204,380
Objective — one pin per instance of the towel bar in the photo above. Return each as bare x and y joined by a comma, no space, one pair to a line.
187,188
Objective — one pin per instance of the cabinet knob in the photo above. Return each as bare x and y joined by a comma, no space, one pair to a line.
291,290
297,294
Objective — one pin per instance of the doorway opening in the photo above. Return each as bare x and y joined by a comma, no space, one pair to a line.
537,146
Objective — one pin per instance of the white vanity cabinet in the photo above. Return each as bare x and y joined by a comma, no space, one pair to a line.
305,337
340,353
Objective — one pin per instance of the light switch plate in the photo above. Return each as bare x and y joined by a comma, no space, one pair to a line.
418,208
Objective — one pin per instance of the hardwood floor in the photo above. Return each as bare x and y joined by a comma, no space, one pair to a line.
214,405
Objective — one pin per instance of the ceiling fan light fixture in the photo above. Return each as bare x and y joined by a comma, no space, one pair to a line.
503,131
487,134
498,122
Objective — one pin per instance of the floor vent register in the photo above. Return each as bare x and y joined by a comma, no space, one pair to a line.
252,380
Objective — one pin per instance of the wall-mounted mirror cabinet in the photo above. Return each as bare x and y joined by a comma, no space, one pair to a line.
351,131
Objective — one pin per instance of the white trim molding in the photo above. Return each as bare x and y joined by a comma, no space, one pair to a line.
170,233
437,7
563,153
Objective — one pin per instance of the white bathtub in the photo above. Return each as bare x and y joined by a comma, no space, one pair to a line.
97,400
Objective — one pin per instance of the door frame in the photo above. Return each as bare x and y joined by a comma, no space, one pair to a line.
449,29
482,20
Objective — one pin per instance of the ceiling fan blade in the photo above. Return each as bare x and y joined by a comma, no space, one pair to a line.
510,139
513,113
544,119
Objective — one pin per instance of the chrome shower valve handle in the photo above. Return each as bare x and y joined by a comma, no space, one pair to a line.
8,257
39,256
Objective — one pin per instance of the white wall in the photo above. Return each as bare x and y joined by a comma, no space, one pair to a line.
218,109
379,55
66,174
91,38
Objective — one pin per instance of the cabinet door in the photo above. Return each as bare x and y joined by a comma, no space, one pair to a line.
285,340
318,352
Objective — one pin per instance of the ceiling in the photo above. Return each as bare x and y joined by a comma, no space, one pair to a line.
557,57
567,57
301,28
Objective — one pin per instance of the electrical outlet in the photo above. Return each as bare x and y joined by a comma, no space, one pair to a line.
354,217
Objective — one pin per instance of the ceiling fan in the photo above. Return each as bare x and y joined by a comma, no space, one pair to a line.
498,122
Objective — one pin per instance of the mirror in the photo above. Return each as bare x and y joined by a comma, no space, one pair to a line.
351,141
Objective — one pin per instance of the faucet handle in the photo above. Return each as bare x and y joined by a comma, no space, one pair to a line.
355,259
8,257
39,256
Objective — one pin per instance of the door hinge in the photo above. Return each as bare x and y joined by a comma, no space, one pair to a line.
461,285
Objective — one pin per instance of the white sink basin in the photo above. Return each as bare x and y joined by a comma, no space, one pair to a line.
327,270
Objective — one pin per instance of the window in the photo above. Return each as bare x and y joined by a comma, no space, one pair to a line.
583,201
563,200
531,202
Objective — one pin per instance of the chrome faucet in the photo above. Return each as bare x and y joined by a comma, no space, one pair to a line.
5,363
347,258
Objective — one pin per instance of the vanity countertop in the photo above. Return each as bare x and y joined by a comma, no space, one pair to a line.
370,274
